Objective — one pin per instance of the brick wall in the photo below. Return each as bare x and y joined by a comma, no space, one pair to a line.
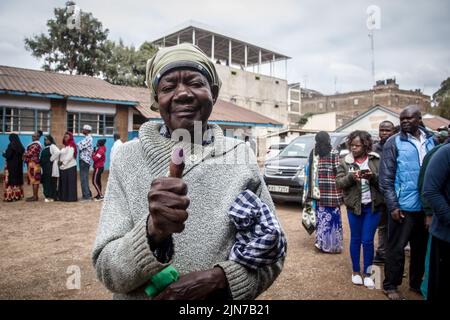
122,121
58,120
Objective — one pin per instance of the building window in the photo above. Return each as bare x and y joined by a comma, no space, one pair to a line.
102,124
295,107
259,104
23,120
321,105
276,106
333,104
257,78
233,73
355,102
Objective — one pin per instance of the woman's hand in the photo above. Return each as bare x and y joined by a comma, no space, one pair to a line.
199,285
168,203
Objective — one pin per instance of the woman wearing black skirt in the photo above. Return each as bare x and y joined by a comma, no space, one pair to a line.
68,170
50,171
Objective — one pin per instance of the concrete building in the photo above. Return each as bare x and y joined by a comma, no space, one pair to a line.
32,100
349,105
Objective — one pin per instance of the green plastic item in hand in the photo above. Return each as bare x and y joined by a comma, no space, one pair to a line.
161,280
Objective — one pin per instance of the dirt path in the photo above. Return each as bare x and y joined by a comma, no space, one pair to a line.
40,241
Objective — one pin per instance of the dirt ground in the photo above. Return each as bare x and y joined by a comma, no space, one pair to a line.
42,242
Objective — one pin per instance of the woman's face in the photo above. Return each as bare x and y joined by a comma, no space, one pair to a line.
185,96
35,136
47,142
66,137
357,148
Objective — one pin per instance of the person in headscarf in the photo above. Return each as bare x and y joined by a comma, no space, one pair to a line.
145,225
321,198
13,181
31,157
67,187
99,158
50,171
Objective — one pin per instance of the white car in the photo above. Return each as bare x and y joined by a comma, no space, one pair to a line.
275,150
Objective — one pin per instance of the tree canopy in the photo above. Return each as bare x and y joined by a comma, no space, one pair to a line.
82,47
442,100
78,50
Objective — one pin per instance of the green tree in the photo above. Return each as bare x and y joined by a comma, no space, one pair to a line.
442,100
126,65
78,50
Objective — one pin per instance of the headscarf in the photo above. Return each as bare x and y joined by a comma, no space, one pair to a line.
15,143
51,139
71,143
182,56
323,144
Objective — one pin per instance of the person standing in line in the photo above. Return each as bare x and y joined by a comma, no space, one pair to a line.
436,191
358,178
321,199
67,189
86,148
402,159
13,181
31,157
50,171
99,158
386,129
117,143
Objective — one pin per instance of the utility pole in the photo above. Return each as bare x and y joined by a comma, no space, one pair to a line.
373,23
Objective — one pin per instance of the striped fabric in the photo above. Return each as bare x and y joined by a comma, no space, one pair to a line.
259,238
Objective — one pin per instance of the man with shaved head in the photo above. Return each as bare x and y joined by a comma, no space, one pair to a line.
400,165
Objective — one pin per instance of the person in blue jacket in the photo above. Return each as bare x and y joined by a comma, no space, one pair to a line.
436,191
399,171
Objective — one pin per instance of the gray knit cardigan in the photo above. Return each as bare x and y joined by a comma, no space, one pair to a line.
215,175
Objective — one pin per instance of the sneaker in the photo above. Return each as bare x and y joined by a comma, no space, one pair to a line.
368,283
98,198
49,200
357,280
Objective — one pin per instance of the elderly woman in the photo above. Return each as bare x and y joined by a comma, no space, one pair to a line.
150,220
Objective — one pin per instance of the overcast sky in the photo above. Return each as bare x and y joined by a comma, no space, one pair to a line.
327,40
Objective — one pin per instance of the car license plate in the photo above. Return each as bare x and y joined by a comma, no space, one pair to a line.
282,189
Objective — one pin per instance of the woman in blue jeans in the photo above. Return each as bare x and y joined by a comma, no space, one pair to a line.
357,177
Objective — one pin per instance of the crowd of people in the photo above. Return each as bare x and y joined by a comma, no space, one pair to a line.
230,244
398,187
54,168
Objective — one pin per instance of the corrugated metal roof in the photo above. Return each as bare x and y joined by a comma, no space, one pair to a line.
76,86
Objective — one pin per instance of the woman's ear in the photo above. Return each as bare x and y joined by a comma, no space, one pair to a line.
215,92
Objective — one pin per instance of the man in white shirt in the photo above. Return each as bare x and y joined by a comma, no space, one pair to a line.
86,149
116,145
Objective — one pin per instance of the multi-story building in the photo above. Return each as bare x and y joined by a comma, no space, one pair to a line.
351,104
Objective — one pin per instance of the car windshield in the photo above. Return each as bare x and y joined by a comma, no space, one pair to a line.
301,147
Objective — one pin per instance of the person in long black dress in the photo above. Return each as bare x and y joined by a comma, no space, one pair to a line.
50,171
13,169
68,170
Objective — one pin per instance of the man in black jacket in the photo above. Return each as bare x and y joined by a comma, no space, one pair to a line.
436,190
386,129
